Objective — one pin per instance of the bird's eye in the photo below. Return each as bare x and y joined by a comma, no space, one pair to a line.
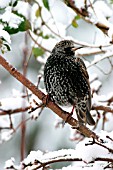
68,48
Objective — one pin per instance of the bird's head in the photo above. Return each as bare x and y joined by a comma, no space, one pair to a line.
65,47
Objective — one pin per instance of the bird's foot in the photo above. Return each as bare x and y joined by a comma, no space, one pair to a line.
32,109
38,82
45,100
70,115
44,103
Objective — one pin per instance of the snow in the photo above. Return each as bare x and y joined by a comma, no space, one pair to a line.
45,157
93,77
17,93
12,19
4,3
4,35
4,120
96,100
64,16
101,7
109,122
57,23
10,162
86,153
99,12
104,98
96,85
23,5
6,135
34,155
8,104
41,59
82,167
90,152
12,103
19,7
80,3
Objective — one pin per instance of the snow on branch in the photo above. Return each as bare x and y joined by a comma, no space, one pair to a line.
87,154
94,13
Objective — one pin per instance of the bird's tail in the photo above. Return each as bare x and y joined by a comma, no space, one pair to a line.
89,118
85,117
83,111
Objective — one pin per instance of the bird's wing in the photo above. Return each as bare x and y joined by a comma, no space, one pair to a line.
84,115
86,76
83,67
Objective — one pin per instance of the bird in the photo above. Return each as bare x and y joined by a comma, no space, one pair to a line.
67,81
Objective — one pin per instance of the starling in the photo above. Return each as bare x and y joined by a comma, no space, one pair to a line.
67,82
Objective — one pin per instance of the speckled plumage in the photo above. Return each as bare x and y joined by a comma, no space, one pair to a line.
67,81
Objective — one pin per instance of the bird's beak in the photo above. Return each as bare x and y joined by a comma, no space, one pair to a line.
76,48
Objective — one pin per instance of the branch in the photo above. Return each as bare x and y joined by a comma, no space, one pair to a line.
54,161
103,108
10,112
70,160
85,16
73,122
65,159
39,45
107,55
90,52
100,144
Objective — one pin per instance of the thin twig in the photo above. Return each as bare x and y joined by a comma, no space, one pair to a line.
85,16
103,108
7,112
65,159
101,58
45,49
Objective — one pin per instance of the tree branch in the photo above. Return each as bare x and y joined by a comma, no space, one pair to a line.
10,112
73,122
85,16
52,161
107,55
104,108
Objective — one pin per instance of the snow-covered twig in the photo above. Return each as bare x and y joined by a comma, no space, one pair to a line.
85,155
89,15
